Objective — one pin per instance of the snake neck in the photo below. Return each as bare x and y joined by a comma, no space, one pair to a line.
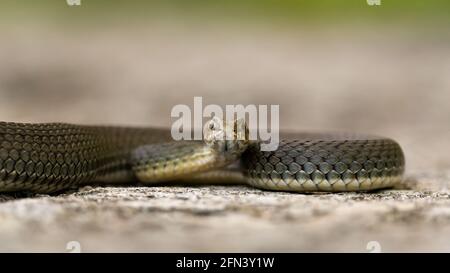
175,160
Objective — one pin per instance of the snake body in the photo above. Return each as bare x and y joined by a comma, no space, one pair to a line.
51,157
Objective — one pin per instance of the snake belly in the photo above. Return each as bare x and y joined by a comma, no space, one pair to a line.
51,157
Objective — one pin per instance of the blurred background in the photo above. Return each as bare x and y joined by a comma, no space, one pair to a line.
330,65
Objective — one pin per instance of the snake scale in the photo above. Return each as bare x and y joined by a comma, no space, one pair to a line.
51,157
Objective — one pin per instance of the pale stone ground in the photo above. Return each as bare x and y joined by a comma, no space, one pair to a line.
387,82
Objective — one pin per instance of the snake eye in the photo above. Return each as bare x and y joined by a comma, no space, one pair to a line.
213,131
215,124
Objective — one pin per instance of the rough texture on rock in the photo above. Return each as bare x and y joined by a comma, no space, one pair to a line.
229,218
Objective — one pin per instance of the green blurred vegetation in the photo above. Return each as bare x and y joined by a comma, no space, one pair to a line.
304,11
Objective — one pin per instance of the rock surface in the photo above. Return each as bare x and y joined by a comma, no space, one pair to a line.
230,218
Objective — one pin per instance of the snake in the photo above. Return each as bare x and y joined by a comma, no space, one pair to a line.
53,157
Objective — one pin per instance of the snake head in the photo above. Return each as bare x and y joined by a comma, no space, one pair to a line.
228,138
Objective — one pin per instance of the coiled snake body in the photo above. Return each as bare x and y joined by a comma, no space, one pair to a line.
51,157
